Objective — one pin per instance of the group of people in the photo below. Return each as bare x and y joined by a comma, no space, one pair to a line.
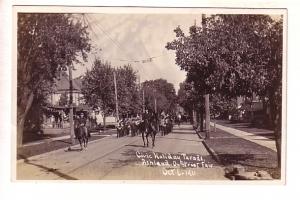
57,120
134,126
166,123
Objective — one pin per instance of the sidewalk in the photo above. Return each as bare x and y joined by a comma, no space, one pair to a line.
231,146
54,141
262,137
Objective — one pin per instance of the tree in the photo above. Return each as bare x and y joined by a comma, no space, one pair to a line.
98,87
163,92
128,92
235,55
99,91
45,44
192,102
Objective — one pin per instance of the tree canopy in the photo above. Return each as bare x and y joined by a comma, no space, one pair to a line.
235,55
46,43
163,92
99,90
232,54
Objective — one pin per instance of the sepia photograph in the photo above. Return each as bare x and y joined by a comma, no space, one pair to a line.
149,94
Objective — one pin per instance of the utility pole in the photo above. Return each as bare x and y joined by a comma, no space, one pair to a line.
155,105
71,108
143,100
141,94
116,96
206,96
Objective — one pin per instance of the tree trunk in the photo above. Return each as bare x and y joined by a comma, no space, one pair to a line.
23,108
201,119
193,117
104,122
275,112
197,123
207,116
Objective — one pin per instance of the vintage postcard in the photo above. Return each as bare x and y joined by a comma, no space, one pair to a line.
149,94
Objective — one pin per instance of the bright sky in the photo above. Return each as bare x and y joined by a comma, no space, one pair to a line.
137,37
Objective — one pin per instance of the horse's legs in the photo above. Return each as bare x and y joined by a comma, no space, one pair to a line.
86,141
80,142
153,138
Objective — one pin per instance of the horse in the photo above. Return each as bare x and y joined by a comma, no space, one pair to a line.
82,135
148,127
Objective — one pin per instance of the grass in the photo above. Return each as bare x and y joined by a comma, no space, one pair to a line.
233,150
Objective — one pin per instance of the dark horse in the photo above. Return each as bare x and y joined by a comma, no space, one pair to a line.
82,136
149,127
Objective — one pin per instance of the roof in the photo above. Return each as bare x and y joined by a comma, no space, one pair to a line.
62,83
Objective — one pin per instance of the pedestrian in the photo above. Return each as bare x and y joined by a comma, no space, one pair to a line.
178,119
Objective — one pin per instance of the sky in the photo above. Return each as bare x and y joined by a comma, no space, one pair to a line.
125,38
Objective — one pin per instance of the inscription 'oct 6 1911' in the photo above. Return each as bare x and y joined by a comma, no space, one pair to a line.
168,160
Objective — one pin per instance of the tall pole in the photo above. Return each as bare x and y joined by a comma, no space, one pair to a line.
143,100
155,101
155,105
206,96
71,107
116,96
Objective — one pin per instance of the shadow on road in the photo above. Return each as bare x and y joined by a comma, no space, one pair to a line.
129,157
49,170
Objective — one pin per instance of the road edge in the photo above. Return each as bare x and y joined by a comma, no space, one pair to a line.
51,152
210,150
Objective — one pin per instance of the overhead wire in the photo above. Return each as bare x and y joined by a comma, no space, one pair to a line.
94,27
117,44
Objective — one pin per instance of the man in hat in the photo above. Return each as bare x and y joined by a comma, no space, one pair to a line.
82,123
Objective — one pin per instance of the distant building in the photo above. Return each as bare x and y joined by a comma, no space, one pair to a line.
62,87
253,110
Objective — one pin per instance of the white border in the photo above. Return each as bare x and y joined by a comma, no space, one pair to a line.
136,10
9,190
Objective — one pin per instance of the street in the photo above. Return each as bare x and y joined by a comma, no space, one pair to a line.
180,155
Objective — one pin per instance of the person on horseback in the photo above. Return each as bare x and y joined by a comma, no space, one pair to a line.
81,131
82,123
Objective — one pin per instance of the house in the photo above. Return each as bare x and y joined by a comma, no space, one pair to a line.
61,91
58,101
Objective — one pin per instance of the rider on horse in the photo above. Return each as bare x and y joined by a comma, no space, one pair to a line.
82,123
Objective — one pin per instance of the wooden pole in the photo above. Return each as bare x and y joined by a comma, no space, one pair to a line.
206,96
143,100
71,108
116,96
155,105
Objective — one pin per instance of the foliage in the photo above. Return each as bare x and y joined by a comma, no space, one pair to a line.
98,87
188,97
235,55
45,44
232,54
163,92
99,90
221,106
129,98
